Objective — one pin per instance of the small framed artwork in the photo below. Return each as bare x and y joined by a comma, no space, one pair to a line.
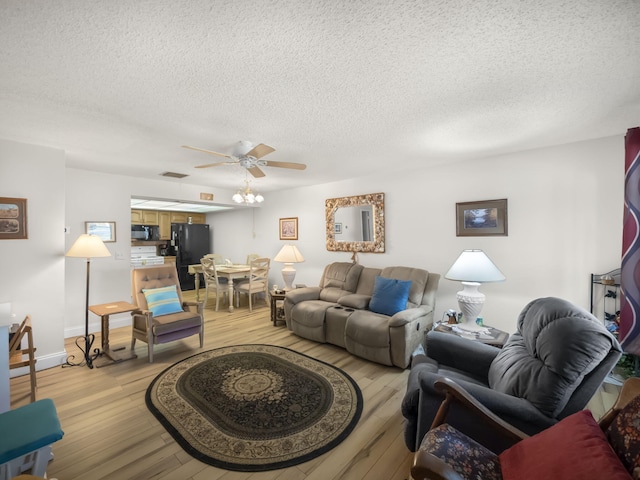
13,218
482,218
105,230
289,228
337,228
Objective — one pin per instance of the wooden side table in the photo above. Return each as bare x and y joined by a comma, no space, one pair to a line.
277,307
494,337
103,311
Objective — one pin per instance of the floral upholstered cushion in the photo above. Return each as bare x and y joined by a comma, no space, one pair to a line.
624,436
467,457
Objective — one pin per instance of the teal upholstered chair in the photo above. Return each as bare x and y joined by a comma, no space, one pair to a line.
26,435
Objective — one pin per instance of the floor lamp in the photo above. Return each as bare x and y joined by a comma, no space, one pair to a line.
289,254
87,246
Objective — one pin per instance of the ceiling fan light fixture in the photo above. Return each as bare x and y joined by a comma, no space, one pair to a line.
247,196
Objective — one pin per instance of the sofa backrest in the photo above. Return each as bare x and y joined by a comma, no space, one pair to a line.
423,284
339,279
367,280
553,354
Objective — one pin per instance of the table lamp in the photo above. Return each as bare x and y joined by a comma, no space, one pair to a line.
472,268
87,246
289,254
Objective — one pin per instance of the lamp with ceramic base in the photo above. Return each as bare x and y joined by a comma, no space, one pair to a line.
289,254
87,246
472,268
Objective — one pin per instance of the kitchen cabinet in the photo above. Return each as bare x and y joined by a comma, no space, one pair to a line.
183,217
164,220
144,217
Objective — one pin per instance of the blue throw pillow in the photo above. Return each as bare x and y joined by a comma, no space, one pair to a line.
389,295
162,301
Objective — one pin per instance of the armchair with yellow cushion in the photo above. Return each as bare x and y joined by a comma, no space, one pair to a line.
163,316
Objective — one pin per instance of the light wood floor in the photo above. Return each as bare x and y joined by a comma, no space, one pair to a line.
110,434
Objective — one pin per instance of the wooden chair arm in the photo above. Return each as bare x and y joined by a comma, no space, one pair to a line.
630,390
455,393
427,466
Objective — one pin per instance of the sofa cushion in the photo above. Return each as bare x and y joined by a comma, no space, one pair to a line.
162,301
557,344
624,440
545,455
389,295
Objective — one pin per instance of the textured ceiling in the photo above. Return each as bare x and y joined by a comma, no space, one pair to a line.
343,86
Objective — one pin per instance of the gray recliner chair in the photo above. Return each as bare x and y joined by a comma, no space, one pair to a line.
549,369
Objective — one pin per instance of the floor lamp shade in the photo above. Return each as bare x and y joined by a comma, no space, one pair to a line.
289,254
472,268
87,246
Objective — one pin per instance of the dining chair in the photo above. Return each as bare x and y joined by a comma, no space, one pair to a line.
24,357
252,256
217,258
212,281
258,281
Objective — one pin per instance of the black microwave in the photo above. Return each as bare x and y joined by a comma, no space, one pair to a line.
145,232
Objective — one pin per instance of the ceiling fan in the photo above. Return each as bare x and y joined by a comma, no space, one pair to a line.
251,160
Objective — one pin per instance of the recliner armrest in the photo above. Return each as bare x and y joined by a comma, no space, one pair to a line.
355,300
303,294
409,315
461,353
516,409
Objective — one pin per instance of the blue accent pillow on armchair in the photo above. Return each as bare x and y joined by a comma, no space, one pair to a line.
162,301
389,295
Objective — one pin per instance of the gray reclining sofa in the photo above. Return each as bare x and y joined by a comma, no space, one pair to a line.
344,310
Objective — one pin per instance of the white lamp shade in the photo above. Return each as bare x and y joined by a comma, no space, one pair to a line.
289,254
474,266
88,246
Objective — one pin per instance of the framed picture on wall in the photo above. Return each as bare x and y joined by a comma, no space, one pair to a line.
289,228
482,218
13,218
105,230
337,228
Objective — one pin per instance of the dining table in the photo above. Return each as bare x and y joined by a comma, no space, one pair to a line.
230,272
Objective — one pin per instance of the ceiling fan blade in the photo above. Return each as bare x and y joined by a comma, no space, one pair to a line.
207,151
295,166
256,172
260,151
216,164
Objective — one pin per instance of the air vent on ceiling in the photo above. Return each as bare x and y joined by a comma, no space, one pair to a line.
174,175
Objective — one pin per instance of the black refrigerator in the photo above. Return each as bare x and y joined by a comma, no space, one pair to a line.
191,242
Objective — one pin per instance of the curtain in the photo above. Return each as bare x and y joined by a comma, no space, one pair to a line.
629,330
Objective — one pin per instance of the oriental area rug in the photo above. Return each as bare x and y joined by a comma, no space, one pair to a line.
255,407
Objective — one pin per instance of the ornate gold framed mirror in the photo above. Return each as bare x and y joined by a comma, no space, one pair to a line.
355,224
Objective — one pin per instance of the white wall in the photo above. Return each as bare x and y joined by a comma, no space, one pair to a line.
565,222
33,269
